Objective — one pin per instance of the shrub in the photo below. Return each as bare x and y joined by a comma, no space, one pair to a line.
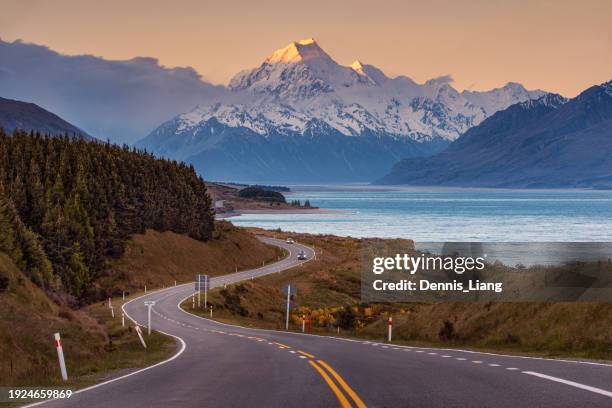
260,194
447,331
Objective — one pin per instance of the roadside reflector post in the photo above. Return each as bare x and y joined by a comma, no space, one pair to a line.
60,356
211,311
145,288
109,303
149,304
174,283
303,323
199,289
193,301
205,292
390,327
124,295
112,312
338,329
122,319
139,332
288,306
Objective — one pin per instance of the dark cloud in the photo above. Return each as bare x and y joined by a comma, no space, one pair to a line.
119,100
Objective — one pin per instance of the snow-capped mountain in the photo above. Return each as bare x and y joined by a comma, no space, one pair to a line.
551,142
300,93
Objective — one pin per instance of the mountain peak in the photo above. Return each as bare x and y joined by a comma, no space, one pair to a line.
306,41
373,74
357,65
302,50
515,85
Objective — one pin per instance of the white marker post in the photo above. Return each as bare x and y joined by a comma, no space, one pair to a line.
193,301
139,333
199,290
122,319
303,323
174,283
211,311
60,356
149,304
124,295
390,327
145,288
112,312
109,303
288,303
205,292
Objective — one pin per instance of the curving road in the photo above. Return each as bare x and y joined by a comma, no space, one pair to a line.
221,365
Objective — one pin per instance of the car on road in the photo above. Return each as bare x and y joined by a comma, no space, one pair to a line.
301,255
290,241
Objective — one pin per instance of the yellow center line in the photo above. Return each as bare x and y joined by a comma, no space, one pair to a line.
306,354
341,398
344,385
281,344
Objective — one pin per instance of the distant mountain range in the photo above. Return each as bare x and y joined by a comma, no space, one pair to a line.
300,116
550,142
29,116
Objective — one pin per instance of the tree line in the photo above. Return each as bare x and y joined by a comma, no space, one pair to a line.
68,206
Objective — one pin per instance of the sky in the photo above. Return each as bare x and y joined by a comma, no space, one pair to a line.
555,45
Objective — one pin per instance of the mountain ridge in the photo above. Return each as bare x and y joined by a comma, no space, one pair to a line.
299,96
28,116
549,143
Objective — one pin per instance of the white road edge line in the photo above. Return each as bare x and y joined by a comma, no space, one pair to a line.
183,344
91,387
570,383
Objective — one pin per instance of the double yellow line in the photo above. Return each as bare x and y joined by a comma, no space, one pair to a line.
321,366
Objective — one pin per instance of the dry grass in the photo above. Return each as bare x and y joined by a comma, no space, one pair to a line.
157,259
327,286
95,345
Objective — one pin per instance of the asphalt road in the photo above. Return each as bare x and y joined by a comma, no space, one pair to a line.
220,365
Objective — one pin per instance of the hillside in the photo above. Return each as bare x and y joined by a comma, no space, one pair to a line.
159,258
31,117
78,203
548,143
95,344
329,292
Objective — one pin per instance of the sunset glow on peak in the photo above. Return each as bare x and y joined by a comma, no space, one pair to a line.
301,50
357,66
306,41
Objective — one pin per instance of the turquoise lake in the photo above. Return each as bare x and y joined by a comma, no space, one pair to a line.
437,214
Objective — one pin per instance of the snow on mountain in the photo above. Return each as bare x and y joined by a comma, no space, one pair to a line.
500,98
300,107
301,83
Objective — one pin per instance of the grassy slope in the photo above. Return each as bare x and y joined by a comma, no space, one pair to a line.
94,343
157,259
326,286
